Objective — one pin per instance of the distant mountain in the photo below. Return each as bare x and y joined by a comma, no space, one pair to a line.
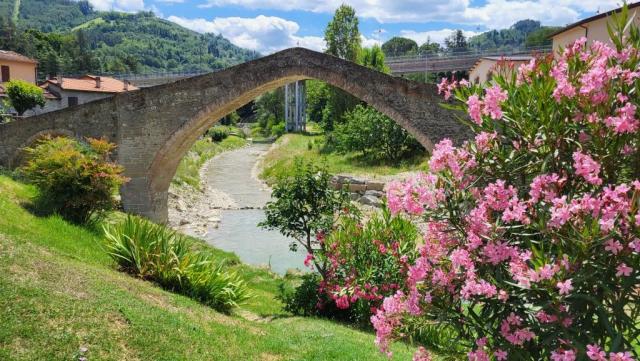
523,33
69,36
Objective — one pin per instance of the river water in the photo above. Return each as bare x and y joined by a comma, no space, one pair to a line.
238,231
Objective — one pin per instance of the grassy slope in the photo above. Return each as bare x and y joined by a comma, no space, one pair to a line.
60,292
280,159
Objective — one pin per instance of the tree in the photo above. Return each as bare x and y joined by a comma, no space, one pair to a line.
456,42
398,46
374,134
24,96
304,207
429,47
342,34
373,58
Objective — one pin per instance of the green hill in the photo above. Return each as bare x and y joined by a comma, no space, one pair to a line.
523,33
70,37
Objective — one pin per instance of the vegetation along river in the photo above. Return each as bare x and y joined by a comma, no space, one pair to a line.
233,173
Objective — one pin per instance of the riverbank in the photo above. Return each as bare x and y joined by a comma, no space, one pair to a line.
63,299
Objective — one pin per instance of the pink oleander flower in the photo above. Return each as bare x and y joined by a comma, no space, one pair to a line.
500,355
586,167
563,355
564,287
422,355
623,270
308,259
492,101
475,109
613,246
620,356
595,353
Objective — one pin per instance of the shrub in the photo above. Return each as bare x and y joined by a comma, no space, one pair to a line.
278,130
373,134
533,243
158,254
366,261
75,180
24,95
304,206
218,134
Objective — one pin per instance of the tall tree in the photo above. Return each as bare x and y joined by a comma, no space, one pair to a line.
373,58
456,42
398,46
342,34
429,47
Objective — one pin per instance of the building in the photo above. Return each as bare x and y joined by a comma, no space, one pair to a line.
593,28
74,91
483,70
17,66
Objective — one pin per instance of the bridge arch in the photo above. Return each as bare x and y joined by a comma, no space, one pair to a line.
155,127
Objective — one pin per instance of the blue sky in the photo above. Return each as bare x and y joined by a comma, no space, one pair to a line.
271,25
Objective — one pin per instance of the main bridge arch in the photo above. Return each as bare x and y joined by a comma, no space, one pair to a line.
155,127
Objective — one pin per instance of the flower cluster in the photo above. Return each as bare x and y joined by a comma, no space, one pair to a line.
532,239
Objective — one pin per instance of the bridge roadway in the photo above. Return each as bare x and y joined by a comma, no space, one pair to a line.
452,62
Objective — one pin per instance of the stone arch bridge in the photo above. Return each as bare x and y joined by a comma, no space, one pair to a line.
154,127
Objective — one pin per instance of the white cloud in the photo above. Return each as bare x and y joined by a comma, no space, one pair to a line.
118,5
493,14
369,42
434,36
266,34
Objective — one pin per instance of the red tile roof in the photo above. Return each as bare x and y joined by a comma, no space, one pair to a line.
13,56
88,83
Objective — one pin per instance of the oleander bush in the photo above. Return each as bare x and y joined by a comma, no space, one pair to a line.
75,180
532,241
156,253
365,261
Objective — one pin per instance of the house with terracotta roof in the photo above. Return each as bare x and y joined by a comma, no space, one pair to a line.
17,66
484,69
75,91
593,28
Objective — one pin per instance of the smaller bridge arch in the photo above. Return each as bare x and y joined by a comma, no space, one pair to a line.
154,127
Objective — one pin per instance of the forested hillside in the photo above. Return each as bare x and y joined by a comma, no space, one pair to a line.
70,37
523,33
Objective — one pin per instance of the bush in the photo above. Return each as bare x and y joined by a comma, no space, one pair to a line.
304,207
277,130
533,243
24,95
156,253
367,261
75,180
218,134
373,134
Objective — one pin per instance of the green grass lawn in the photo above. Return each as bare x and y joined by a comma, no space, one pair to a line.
278,162
60,293
202,150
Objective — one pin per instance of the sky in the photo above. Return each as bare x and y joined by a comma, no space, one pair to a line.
267,26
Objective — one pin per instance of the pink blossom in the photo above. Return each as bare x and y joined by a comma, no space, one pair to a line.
613,246
477,355
492,100
620,356
563,355
623,270
308,259
342,302
422,355
475,109
483,141
595,353
635,245
586,167
500,355
564,287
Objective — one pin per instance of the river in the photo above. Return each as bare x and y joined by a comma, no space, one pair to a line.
232,172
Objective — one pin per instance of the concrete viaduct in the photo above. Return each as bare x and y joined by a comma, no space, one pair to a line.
154,127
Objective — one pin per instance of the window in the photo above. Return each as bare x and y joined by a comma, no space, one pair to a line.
6,74
71,101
